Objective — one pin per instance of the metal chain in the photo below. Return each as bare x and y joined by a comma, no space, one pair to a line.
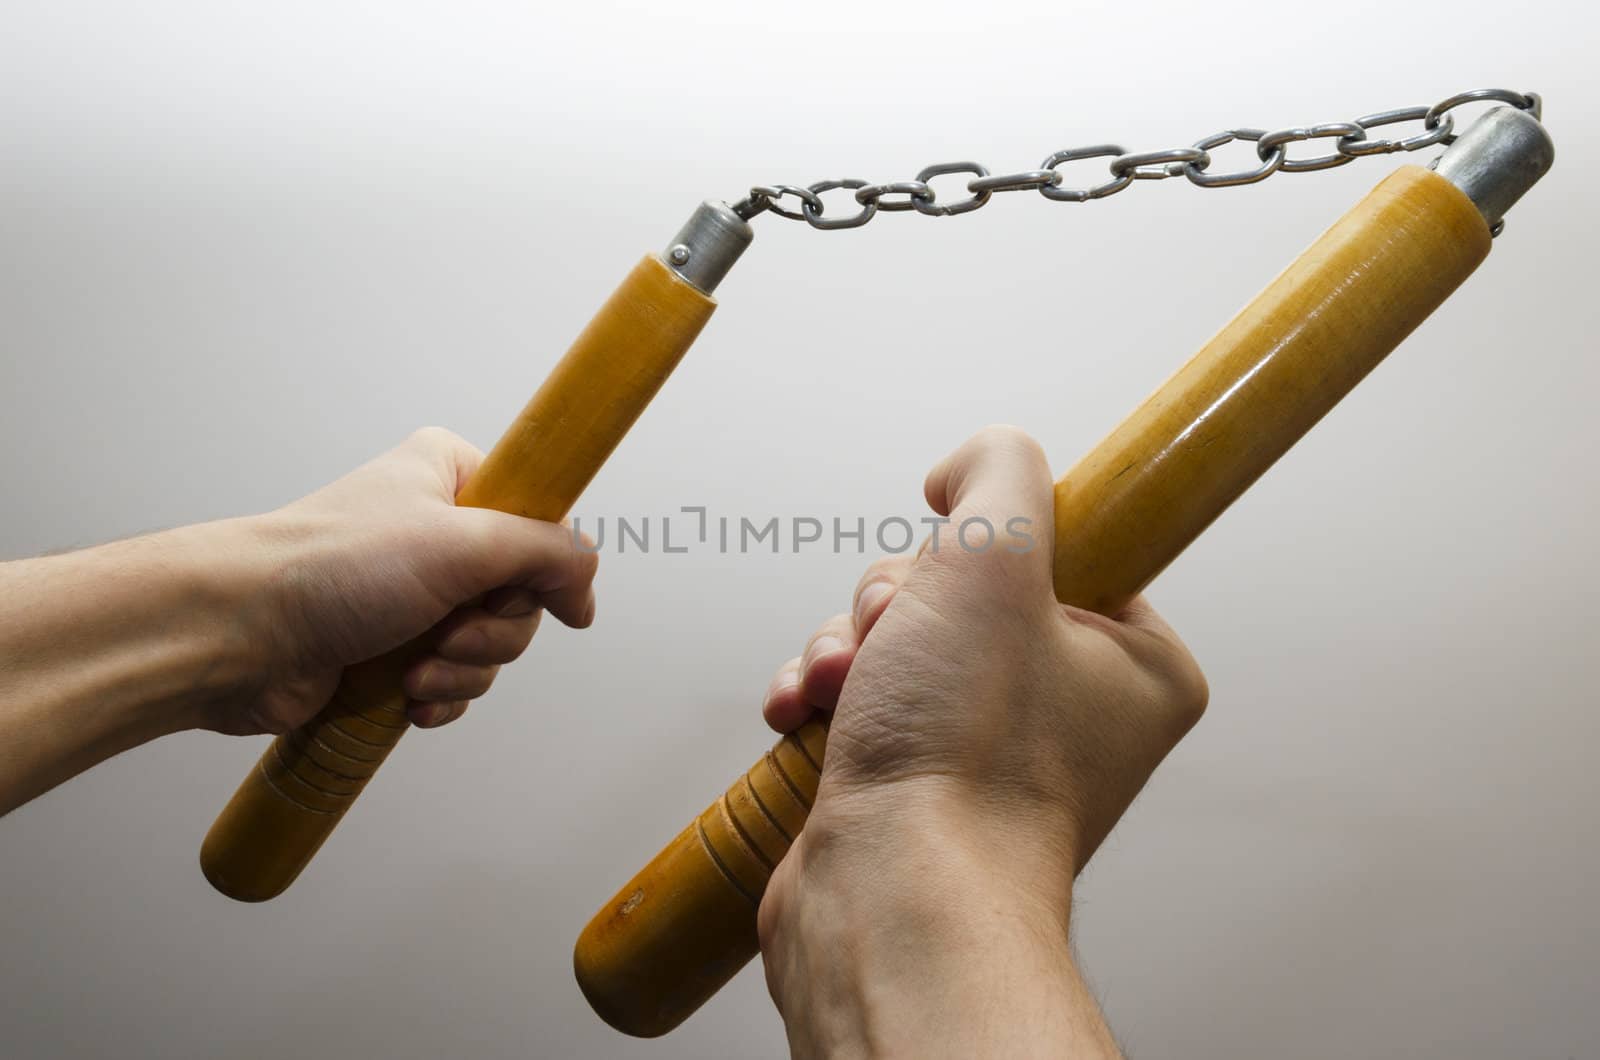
1350,142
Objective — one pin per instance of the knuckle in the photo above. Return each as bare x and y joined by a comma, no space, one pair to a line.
271,722
432,437
583,541
469,640
770,922
1194,689
882,569
478,681
835,627
1166,660
1007,437
434,433
508,653
558,546
452,712
1188,692
586,561
523,632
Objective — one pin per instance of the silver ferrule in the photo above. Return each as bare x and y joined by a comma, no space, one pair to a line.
707,246
1500,156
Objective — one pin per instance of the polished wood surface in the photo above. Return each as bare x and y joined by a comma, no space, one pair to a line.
685,924
301,788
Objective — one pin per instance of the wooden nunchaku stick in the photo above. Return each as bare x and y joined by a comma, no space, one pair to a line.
676,932
301,788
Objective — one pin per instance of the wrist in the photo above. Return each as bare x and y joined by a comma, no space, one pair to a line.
939,840
894,927
179,613
221,575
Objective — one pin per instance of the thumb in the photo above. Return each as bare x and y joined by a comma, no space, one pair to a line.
492,549
999,477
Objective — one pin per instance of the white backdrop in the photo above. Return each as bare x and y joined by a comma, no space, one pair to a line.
244,247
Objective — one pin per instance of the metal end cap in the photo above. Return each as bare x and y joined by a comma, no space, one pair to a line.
707,246
1498,158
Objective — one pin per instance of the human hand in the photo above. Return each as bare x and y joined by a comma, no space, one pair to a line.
383,556
985,738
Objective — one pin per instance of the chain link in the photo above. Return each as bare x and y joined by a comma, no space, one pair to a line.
1350,142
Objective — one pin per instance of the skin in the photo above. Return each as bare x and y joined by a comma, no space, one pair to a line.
984,740
245,625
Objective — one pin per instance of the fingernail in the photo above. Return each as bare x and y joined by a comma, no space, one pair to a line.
820,647
870,598
782,682
516,606
428,716
454,645
422,688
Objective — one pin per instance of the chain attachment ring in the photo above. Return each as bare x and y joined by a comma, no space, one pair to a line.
771,193
1528,101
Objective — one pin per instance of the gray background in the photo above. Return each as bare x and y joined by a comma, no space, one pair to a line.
244,247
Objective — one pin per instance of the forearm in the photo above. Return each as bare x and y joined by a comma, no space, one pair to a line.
922,946
109,647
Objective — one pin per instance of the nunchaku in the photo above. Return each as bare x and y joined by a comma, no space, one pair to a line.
680,929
